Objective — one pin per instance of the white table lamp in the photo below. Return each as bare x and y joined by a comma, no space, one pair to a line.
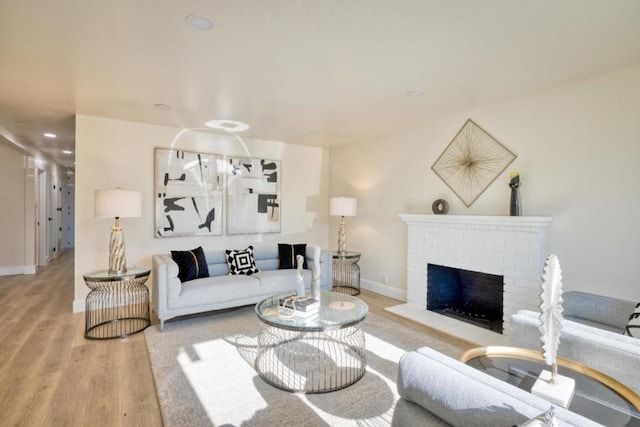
117,204
342,206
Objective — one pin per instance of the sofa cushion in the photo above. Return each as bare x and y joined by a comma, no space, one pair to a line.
633,326
585,307
201,292
241,261
287,255
281,281
594,324
191,264
266,257
217,262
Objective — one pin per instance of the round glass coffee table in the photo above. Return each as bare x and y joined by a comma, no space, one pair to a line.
322,353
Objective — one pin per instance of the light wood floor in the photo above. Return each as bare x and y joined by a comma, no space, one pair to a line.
50,375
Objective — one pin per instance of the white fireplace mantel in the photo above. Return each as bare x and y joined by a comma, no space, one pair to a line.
514,247
486,220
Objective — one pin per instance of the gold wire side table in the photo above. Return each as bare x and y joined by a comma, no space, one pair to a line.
118,303
346,272
315,355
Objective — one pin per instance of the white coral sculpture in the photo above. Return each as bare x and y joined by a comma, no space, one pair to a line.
300,278
551,313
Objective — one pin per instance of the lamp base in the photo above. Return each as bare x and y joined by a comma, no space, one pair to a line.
342,236
117,259
560,393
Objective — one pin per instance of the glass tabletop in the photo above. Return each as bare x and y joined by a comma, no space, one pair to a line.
336,311
345,255
106,275
597,396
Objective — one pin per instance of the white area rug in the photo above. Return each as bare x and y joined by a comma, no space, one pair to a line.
204,375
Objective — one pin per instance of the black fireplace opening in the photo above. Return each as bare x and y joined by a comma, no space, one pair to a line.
469,296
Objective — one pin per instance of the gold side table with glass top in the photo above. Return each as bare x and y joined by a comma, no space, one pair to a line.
346,272
597,396
118,304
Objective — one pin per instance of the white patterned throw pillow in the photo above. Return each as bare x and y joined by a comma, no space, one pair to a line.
633,326
241,261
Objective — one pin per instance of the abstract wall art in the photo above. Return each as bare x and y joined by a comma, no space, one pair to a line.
253,195
471,162
188,193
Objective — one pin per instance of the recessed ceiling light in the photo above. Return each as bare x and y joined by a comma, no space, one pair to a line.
228,125
415,93
162,106
199,22
67,152
50,135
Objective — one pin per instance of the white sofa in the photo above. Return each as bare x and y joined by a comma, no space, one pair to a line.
170,297
592,334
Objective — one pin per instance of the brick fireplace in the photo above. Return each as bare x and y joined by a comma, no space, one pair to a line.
512,247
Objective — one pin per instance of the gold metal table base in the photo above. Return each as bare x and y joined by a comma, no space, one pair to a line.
311,362
116,307
346,273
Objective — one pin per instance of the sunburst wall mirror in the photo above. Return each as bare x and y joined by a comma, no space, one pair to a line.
471,162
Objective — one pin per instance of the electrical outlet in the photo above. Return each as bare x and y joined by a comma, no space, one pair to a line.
385,279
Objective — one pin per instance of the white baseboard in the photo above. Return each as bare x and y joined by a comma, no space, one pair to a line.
20,269
79,305
385,290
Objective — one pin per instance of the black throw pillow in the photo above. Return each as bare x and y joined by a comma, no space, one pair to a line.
287,254
191,264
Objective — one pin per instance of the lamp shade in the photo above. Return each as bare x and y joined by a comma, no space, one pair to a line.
117,204
343,206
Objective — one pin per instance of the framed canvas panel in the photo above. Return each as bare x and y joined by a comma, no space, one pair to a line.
253,195
188,193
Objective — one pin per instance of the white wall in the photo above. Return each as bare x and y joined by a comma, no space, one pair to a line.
12,198
114,153
578,149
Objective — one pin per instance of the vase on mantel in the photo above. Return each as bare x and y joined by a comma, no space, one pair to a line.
515,209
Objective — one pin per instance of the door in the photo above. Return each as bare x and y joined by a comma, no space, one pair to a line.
54,218
42,219
57,247
68,223
51,218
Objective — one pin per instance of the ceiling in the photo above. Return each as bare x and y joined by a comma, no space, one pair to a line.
311,72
